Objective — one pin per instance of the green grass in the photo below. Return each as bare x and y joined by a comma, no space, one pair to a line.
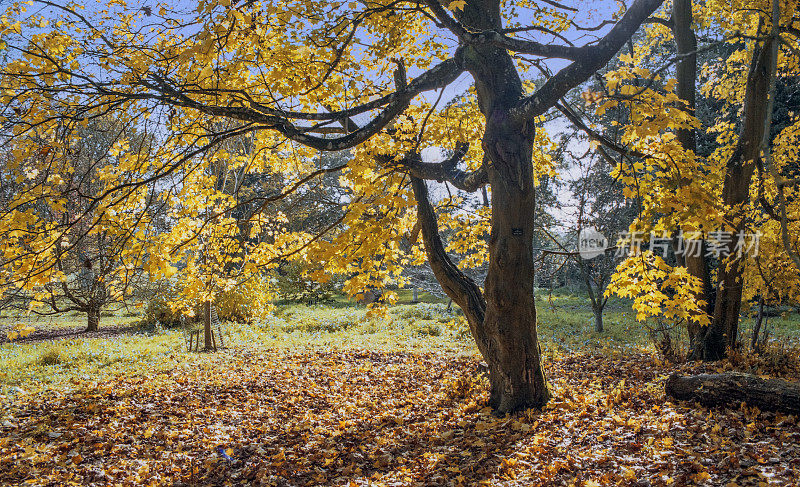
39,364
565,325
42,364
404,296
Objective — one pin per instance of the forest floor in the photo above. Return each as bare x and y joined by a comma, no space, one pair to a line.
323,395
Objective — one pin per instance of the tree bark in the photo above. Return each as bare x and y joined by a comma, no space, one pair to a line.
458,287
686,76
724,329
731,389
93,318
208,341
598,320
516,374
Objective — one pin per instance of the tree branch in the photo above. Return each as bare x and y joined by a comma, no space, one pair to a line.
393,104
460,288
501,40
576,120
589,61
446,170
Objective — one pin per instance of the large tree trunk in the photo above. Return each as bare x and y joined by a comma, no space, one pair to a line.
93,318
732,388
515,373
508,330
724,329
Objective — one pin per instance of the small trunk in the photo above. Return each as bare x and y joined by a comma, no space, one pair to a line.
93,318
598,320
724,330
686,75
597,303
415,295
757,326
697,266
209,343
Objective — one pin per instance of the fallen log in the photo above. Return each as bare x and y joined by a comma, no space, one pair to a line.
733,388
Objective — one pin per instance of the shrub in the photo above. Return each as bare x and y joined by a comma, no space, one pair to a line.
50,356
157,308
311,319
425,311
247,302
429,330
295,283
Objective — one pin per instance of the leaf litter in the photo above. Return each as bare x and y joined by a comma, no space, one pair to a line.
357,417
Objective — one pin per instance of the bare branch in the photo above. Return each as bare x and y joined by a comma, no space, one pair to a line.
442,171
501,40
590,60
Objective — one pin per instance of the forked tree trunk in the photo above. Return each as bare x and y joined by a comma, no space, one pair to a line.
598,303
93,318
724,305
506,332
515,373
504,324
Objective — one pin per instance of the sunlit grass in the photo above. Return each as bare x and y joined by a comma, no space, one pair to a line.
39,364
565,325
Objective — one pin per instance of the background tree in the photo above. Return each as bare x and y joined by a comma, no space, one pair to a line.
602,206
97,259
731,138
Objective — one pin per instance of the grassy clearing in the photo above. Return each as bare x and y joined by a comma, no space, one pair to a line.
140,351
38,364
565,326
